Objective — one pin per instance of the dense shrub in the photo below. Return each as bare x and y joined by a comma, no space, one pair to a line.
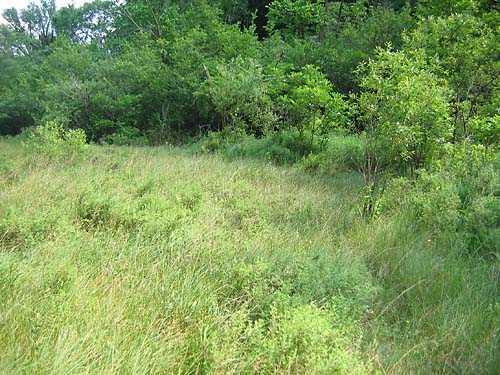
282,147
238,95
341,153
304,337
126,135
460,197
486,130
405,108
53,141
310,104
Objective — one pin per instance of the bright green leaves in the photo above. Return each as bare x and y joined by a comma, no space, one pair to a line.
486,130
311,102
52,141
406,107
239,94
295,17
464,51
445,7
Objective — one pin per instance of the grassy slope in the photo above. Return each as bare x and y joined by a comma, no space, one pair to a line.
147,261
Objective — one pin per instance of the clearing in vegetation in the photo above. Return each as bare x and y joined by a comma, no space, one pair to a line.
152,261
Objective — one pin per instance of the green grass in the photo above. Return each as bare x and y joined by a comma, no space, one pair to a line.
151,261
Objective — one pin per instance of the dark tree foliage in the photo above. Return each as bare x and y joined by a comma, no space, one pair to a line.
164,70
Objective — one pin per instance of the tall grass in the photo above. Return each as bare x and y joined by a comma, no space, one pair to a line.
151,261
146,261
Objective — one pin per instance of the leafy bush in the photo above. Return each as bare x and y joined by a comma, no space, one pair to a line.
295,17
311,104
460,197
464,51
219,141
486,131
304,339
282,147
238,94
264,148
405,108
433,201
53,141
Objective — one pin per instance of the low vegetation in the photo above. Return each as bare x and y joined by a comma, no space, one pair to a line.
150,260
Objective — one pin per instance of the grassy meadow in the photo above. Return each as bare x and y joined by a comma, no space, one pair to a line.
141,260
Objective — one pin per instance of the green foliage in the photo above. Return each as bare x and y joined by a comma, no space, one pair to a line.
310,103
486,131
458,197
218,141
281,147
238,95
20,231
160,229
483,225
125,135
32,26
341,153
463,50
446,7
141,68
433,202
295,17
247,267
208,265
405,107
351,33
264,149
89,23
53,141
297,337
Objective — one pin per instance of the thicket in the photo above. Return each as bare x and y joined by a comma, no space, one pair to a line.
405,78
164,71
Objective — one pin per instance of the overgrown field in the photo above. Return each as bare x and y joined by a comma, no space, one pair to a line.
152,261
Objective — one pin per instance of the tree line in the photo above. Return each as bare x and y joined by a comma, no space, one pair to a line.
416,74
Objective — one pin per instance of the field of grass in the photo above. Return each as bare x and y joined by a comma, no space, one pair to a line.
152,261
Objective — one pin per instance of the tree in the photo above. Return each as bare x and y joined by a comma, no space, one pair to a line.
405,108
311,102
295,17
465,51
91,22
238,94
33,27
350,35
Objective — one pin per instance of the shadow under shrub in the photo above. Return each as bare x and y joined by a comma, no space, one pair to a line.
280,147
341,153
